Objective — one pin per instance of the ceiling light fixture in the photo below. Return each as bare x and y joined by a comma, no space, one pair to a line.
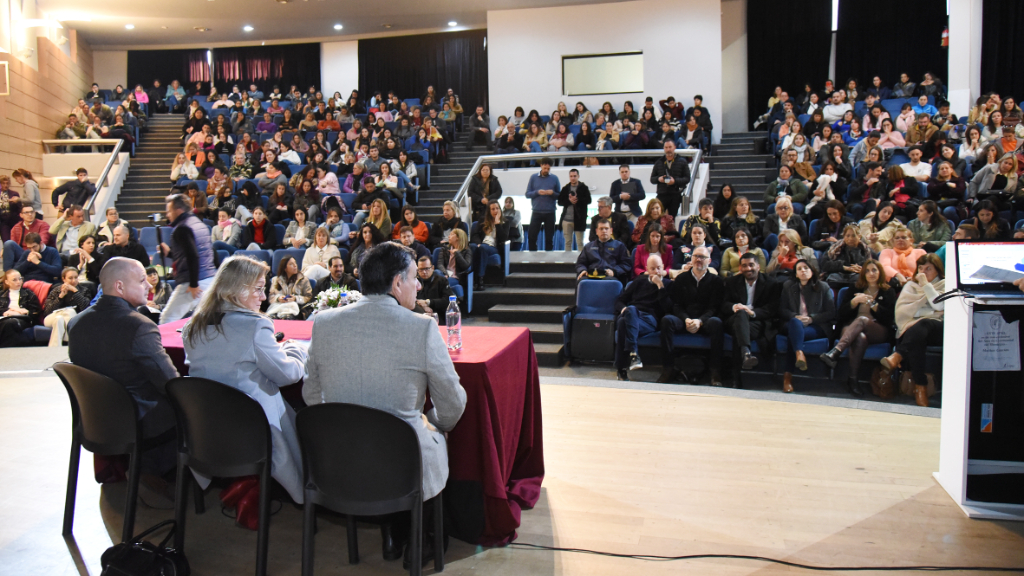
337,26
248,28
201,29
129,26
453,23
386,25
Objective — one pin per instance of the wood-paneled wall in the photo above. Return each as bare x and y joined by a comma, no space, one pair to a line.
39,104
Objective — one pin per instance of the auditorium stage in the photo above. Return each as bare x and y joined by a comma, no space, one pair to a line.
663,470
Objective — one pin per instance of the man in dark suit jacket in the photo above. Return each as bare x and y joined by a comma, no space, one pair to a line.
696,295
620,225
628,190
432,297
111,338
671,174
749,309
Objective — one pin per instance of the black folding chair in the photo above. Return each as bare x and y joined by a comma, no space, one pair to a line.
360,461
104,420
221,432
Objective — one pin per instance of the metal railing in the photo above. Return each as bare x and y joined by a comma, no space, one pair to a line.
462,196
115,158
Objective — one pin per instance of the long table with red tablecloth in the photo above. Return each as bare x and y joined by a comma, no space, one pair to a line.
496,451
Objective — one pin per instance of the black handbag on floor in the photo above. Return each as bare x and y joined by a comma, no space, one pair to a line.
141,558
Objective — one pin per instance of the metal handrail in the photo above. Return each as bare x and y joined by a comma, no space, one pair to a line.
115,158
461,197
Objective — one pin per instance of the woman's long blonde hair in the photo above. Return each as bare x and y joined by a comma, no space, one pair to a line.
235,279
379,222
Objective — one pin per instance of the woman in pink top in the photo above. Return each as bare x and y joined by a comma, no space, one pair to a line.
653,244
900,261
140,95
891,137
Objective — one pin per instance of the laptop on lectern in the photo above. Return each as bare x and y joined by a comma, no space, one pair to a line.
987,269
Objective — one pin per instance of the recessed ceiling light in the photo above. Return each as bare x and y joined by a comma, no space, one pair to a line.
163,27
337,26
130,26
386,25
453,23
248,28
201,29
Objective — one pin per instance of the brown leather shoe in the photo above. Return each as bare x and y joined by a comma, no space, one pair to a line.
787,382
892,361
921,395
801,361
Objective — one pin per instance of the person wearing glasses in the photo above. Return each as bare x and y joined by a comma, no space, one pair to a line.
696,295
432,297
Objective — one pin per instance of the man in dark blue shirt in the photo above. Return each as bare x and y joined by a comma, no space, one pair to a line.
604,257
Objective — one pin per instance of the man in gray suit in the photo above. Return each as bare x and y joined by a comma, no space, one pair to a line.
417,360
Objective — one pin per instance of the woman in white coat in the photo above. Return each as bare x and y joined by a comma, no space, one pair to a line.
229,341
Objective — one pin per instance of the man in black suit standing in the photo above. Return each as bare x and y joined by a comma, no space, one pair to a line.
749,309
696,295
113,339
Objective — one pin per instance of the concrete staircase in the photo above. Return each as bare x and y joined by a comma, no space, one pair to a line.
539,287
740,160
149,179
445,179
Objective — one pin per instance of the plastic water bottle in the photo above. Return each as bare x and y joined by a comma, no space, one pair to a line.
342,299
454,321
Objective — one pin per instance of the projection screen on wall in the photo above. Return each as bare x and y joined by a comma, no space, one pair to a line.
618,73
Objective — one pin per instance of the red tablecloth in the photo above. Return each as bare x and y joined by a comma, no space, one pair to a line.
496,452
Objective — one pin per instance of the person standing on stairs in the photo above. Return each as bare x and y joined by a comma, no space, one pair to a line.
541,191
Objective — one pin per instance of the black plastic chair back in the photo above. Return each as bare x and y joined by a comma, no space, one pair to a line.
221,429
104,419
102,408
360,460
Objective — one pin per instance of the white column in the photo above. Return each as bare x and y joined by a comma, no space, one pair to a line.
964,82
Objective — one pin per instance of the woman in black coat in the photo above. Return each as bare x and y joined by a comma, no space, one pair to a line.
842,262
259,233
448,221
574,214
14,319
489,236
483,188
806,312
867,315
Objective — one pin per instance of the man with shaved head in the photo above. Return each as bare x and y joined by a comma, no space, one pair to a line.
122,246
113,339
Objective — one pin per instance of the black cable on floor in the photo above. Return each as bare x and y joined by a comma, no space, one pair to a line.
652,557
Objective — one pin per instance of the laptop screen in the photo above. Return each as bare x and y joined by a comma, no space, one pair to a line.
990,265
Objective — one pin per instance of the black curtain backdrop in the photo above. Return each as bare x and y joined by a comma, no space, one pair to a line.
1002,53
788,45
301,66
408,64
144,66
888,38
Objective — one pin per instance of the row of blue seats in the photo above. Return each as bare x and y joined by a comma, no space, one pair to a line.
595,300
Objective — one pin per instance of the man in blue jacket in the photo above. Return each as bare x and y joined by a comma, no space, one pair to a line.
604,257
542,192
627,193
38,262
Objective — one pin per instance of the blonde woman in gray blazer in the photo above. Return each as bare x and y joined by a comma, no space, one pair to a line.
417,359
229,341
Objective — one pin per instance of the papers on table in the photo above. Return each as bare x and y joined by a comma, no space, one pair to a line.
996,343
992,274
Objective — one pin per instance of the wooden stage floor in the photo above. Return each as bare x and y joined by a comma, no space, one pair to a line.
628,471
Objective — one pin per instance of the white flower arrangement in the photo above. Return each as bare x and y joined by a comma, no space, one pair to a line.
332,298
